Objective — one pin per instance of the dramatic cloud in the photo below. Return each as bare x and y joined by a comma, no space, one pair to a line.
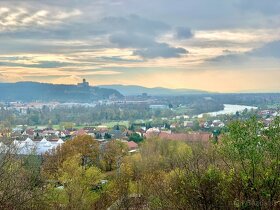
145,46
128,41
141,34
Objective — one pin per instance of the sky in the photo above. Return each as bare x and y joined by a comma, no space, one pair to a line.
213,45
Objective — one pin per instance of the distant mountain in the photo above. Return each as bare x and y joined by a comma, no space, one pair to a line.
137,90
34,91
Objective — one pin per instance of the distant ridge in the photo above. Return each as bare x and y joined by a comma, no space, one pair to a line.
138,90
35,91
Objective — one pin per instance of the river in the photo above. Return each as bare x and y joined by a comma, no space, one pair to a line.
229,109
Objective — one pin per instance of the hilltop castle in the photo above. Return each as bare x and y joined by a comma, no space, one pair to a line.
84,84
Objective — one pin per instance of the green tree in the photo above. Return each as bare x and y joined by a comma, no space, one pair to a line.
252,152
78,182
135,137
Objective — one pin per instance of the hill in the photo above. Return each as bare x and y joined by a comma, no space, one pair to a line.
138,90
34,91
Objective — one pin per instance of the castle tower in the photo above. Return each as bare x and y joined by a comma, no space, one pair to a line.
84,84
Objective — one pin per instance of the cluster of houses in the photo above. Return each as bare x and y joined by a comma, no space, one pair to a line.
27,140
39,141
208,124
268,116
42,140
212,124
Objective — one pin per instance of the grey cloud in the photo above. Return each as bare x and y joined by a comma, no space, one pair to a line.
52,64
162,50
14,58
228,59
271,49
267,7
207,14
117,59
134,24
42,64
268,50
130,31
183,33
86,28
141,34
42,46
127,40
198,14
207,43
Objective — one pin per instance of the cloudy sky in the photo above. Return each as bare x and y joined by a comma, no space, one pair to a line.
215,45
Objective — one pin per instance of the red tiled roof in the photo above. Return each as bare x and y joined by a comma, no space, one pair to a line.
66,132
30,132
132,145
80,132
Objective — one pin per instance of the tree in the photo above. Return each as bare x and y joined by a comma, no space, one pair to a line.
117,127
253,153
131,127
78,182
107,136
85,146
135,137
21,184
112,154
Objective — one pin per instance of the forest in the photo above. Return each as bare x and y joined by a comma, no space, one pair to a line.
239,170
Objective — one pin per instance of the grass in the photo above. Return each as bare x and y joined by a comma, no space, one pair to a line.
113,123
108,124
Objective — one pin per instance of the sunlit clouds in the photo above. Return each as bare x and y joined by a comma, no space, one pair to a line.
232,46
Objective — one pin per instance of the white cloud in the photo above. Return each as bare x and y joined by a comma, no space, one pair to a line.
65,15
12,19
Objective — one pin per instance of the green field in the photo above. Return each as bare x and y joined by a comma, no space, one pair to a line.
108,124
113,123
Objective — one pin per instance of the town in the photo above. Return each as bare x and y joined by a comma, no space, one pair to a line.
197,128
139,105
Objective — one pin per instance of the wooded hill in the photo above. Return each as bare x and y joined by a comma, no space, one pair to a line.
34,91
